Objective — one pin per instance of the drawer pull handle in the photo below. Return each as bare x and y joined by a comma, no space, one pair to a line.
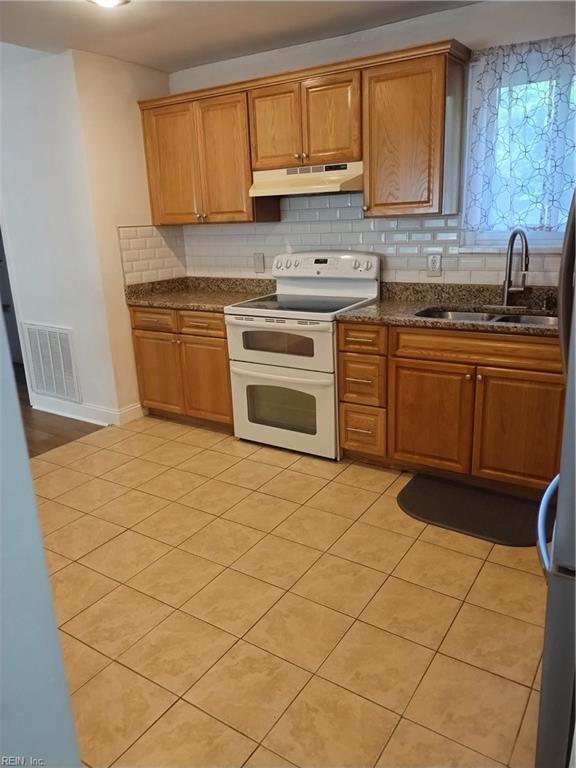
198,325
358,338
361,431
359,381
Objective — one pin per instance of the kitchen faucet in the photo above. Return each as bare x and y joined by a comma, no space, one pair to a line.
508,287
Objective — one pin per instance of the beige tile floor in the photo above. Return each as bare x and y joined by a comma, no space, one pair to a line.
222,604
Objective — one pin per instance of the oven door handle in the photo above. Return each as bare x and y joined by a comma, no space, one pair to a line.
292,325
276,378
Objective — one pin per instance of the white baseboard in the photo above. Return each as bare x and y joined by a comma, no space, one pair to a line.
129,413
94,414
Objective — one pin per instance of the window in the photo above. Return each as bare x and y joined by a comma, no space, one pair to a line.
521,140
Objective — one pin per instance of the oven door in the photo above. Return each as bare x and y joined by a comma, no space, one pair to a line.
284,407
304,344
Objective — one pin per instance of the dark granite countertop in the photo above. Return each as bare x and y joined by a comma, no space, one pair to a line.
398,305
399,313
213,301
196,293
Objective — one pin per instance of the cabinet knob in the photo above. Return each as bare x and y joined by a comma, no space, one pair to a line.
198,215
296,155
479,377
364,207
468,377
304,156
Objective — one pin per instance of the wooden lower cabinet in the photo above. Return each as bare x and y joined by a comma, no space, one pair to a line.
518,426
363,429
431,414
206,378
159,370
362,379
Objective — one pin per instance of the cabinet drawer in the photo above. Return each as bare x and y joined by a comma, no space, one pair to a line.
477,348
202,323
362,378
359,337
153,319
363,429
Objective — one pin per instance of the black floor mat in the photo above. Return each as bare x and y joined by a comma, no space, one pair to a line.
478,512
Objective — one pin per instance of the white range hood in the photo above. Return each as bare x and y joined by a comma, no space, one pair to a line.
308,180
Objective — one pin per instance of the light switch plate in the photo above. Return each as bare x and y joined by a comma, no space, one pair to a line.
258,261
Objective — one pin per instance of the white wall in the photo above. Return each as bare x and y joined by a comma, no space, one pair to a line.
71,171
46,216
477,26
108,92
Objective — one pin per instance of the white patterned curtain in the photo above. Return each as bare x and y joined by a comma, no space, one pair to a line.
521,161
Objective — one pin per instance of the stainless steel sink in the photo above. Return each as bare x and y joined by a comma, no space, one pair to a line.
442,314
542,320
545,321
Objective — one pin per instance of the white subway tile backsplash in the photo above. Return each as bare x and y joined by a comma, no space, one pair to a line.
445,236
127,233
152,253
324,222
486,276
471,263
460,276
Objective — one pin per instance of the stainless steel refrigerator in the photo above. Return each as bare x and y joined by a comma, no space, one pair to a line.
556,717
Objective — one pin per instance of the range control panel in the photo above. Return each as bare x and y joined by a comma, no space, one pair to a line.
334,264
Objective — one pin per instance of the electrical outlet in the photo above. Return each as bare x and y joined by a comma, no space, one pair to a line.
434,265
258,261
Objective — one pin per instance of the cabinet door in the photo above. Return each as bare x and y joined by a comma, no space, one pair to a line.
403,133
431,414
331,118
159,371
518,426
206,378
170,143
224,157
275,126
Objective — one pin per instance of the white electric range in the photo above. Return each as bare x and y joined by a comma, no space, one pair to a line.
282,349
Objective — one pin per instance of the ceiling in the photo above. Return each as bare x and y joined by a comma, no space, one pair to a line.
171,36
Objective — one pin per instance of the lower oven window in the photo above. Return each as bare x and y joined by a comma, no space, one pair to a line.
280,342
282,408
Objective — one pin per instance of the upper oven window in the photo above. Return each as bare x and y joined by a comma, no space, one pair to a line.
278,342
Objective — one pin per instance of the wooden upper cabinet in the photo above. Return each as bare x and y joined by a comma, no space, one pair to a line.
518,426
331,118
174,184
431,414
308,122
224,158
403,136
275,126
